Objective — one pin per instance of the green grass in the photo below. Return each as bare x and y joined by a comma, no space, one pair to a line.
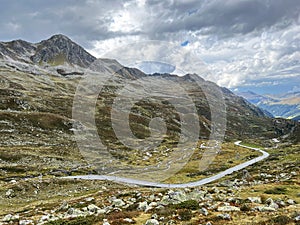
277,191
252,145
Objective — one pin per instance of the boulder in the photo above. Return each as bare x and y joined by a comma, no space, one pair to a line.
26,222
10,217
254,200
118,203
105,222
224,216
143,206
152,222
265,209
290,202
93,208
228,209
204,211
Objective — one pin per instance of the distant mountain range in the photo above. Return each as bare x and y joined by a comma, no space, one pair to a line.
284,105
38,82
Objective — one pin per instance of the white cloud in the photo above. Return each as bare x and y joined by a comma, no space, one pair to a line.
13,26
103,47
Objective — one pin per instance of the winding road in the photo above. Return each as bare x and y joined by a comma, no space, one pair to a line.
182,185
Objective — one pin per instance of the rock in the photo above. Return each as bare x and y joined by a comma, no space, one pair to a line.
280,203
224,216
153,204
10,217
90,199
160,207
208,223
9,193
25,222
154,216
165,200
228,209
152,197
270,202
133,200
293,173
204,211
152,222
143,206
214,190
177,196
224,204
254,200
128,220
265,209
101,211
7,218
74,212
118,203
197,195
209,197
213,207
220,197
246,174
105,222
290,202
274,205
93,208
44,218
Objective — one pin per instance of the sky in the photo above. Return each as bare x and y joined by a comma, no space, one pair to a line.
245,44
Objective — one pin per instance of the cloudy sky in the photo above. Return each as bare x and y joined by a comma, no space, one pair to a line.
246,44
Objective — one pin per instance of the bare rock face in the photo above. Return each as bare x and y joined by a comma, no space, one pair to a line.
60,48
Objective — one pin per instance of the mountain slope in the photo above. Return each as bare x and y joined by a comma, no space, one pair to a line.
37,104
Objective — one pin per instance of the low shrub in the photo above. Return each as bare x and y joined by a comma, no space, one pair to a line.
188,204
185,214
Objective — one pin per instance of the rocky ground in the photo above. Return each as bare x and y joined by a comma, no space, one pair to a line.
266,193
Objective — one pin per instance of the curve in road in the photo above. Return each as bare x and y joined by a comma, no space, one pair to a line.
182,185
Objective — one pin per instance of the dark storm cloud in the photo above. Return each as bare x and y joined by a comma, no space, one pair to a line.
223,17
90,20
34,20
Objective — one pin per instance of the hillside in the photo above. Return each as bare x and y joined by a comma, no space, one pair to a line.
43,139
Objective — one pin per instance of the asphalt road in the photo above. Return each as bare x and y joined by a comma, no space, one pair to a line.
182,185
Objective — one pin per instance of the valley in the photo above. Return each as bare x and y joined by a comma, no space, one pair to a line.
42,143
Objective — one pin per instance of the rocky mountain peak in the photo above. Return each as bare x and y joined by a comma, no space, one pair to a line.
59,49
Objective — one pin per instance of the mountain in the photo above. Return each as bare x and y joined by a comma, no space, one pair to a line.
284,105
57,50
253,97
17,50
37,100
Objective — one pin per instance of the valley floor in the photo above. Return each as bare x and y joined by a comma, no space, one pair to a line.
267,193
